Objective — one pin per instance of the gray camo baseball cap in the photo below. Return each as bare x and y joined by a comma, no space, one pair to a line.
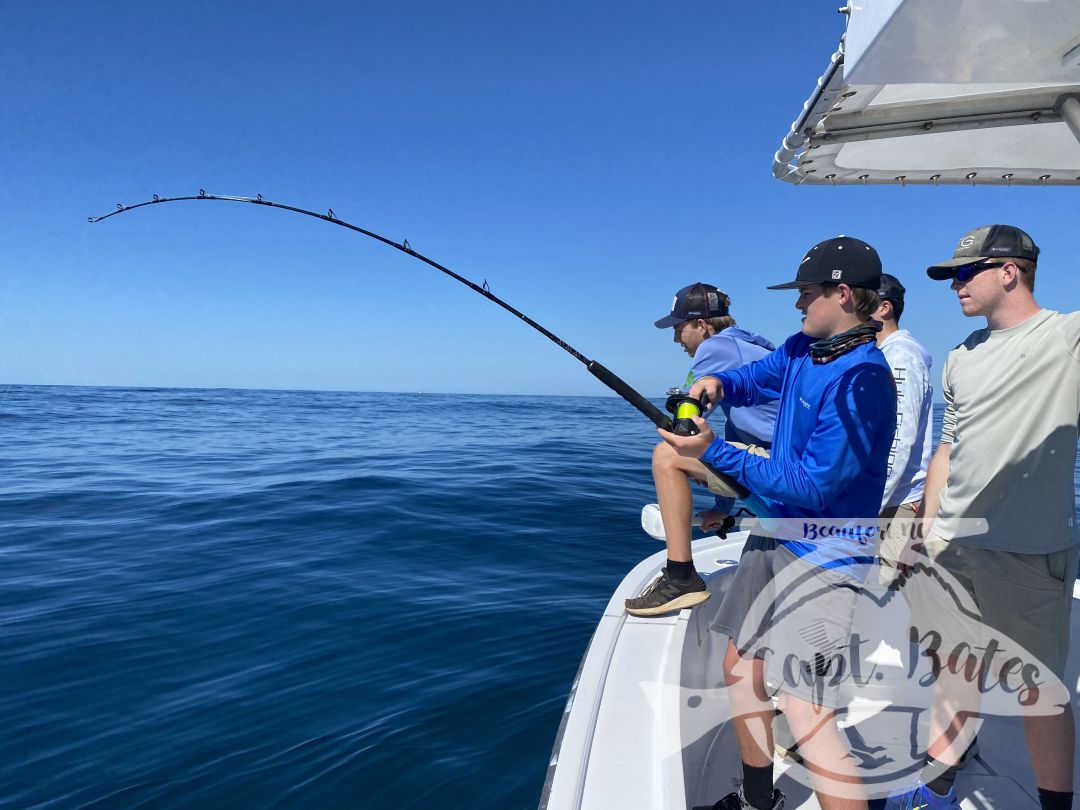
987,242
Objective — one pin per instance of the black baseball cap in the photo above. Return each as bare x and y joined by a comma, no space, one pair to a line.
842,260
696,301
890,288
987,242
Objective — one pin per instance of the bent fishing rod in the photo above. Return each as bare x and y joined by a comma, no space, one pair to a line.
615,383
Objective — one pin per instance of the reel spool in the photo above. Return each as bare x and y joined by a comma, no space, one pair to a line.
683,409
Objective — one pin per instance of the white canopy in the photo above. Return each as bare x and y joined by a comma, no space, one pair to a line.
945,91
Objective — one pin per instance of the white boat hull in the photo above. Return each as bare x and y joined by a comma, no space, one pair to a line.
647,724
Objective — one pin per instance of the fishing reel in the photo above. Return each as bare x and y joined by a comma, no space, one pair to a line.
684,409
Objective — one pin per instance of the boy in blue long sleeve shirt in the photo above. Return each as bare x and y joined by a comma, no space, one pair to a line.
835,424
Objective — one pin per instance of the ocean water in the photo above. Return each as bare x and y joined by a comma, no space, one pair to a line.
216,598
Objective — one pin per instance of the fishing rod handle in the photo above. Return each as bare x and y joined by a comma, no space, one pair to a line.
620,387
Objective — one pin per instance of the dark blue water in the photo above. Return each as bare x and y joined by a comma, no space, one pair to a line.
296,599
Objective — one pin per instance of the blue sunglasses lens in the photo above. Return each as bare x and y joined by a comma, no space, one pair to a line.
968,271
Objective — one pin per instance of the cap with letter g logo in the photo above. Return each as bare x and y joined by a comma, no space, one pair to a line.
987,242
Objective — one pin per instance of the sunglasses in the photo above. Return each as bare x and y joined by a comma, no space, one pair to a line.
967,272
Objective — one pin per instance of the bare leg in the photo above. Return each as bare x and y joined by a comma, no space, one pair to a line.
751,709
1051,743
832,768
1051,740
952,719
672,474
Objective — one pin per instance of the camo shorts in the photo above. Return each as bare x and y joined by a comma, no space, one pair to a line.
726,486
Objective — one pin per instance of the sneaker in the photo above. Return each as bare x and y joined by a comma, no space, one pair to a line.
735,801
920,797
665,594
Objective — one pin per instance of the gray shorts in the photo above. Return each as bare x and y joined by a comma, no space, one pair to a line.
1022,602
795,615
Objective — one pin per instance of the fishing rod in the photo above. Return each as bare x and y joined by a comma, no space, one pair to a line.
615,383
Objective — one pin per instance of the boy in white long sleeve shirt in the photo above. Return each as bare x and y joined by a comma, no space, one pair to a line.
912,444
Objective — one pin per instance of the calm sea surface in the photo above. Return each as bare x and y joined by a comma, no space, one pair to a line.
214,598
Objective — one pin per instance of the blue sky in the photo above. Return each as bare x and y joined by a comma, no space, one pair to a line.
587,159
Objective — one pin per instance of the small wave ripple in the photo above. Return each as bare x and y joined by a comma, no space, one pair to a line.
237,598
